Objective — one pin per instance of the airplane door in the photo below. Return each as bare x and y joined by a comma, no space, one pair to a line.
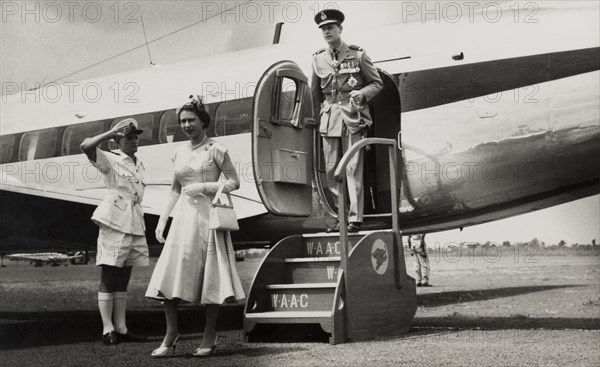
282,140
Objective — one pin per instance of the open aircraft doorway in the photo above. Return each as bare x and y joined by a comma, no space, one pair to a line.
385,111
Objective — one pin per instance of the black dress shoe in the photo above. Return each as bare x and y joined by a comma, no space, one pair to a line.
131,337
354,227
334,229
110,338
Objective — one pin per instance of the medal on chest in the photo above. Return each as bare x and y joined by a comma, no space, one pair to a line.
352,81
349,67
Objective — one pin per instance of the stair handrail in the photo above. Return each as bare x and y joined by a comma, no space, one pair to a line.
340,177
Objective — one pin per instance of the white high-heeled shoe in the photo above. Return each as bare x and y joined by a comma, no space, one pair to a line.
163,350
203,352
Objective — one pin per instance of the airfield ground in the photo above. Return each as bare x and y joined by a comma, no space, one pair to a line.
506,310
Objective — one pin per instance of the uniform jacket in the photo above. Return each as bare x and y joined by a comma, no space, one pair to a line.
121,209
352,71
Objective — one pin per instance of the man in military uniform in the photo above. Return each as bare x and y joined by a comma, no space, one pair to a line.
418,249
343,81
120,218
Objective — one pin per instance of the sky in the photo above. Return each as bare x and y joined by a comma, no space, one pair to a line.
46,41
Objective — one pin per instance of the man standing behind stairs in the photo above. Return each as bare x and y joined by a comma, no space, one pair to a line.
418,249
343,81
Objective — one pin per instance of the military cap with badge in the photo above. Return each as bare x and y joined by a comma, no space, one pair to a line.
329,16
130,125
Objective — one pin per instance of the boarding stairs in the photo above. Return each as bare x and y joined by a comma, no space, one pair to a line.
354,285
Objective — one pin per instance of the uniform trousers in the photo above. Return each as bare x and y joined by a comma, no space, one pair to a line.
333,149
422,268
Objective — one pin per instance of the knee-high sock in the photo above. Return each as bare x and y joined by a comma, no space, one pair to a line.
120,307
105,304
210,327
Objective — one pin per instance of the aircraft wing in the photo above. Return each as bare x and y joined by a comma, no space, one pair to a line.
42,258
23,257
245,204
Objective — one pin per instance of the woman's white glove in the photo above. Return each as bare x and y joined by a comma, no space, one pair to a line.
164,216
195,189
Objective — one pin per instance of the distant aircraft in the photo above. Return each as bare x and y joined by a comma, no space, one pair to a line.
509,126
52,258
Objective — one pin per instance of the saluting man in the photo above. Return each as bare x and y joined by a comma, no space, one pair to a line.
120,218
343,81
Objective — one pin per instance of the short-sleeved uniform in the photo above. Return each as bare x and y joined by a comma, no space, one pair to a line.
120,217
197,264
341,124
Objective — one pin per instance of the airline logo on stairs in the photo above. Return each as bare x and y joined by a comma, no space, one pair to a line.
379,257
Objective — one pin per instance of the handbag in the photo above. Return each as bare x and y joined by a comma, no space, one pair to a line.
222,216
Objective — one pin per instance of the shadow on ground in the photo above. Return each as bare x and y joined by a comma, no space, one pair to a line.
33,329
30,329
448,298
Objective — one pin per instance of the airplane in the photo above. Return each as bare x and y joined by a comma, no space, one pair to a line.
491,120
52,258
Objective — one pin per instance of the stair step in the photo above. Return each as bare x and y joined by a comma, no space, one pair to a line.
302,286
332,234
312,270
312,259
288,315
300,297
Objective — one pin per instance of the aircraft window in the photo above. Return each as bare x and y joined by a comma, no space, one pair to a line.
234,117
169,128
288,96
145,122
7,147
38,144
75,134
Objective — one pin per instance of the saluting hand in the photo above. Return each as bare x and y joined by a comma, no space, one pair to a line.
118,132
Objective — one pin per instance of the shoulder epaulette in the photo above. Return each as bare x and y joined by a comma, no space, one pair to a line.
319,51
355,47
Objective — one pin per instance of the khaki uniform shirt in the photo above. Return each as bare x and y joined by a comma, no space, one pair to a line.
121,209
332,81
416,243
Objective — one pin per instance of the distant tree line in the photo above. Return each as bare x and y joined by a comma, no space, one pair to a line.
534,246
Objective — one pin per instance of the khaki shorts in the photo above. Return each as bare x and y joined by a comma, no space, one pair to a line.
120,249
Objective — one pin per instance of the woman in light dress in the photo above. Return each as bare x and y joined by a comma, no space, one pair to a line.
197,264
